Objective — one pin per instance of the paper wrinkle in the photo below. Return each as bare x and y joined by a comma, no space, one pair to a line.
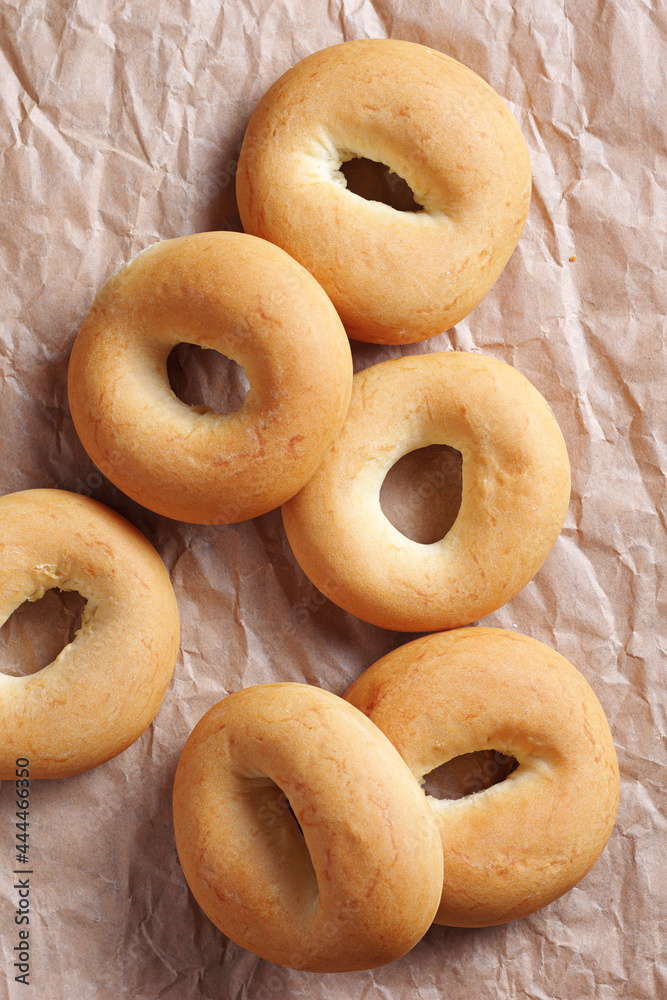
121,125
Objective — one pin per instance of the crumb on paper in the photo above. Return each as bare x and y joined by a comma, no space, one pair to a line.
573,258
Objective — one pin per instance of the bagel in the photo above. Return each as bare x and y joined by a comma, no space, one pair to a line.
359,886
395,277
105,687
518,845
515,493
247,299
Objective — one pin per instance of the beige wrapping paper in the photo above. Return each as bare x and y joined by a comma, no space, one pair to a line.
120,124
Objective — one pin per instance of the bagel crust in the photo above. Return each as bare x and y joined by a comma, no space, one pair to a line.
247,299
359,887
394,277
105,687
520,844
516,489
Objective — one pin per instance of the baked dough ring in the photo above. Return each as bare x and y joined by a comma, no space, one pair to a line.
105,687
520,844
394,277
231,293
363,886
516,488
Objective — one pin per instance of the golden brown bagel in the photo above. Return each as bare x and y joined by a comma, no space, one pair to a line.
360,887
394,277
231,293
105,687
520,844
516,488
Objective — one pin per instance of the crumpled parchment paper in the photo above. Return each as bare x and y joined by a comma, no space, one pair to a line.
120,124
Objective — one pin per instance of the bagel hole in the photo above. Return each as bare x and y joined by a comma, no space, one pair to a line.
376,182
290,810
204,378
469,773
282,839
421,494
276,804
37,631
